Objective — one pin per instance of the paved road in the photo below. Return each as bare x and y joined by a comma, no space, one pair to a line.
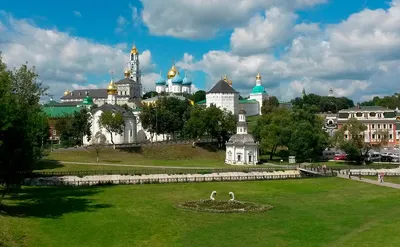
365,180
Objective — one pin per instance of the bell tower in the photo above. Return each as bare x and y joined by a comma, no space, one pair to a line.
134,62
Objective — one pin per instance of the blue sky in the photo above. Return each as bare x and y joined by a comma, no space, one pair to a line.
315,44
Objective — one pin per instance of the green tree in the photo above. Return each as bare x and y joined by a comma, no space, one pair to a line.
351,137
23,125
198,96
72,128
150,94
113,122
98,143
269,105
195,126
275,131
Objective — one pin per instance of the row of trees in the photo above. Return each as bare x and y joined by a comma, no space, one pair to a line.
172,116
72,128
323,103
391,102
299,131
23,125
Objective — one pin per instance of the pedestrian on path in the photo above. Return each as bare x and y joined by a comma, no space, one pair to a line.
379,177
382,175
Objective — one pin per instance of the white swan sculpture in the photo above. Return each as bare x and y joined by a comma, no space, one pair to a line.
232,196
212,195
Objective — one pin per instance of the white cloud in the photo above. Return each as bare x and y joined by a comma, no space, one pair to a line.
89,86
356,57
205,18
307,28
2,27
77,13
263,32
61,59
136,19
148,81
121,24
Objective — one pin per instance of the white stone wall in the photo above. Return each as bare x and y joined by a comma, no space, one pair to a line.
234,151
128,136
160,88
186,89
228,101
260,98
252,109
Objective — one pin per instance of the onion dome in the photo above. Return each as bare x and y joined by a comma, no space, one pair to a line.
242,111
111,89
127,73
172,72
66,92
259,90
134,50
87,101
160,81
177,79
187,81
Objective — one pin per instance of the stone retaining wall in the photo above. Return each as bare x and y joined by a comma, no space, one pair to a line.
160,178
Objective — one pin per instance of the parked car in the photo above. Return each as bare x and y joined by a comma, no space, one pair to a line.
340,156
374,157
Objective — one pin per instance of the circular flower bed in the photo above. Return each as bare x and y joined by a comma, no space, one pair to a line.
224,206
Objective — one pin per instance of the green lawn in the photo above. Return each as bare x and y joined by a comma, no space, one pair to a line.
177,155
307,212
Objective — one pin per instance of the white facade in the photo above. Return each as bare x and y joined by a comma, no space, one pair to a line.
258,93
241,148
228,101
174,83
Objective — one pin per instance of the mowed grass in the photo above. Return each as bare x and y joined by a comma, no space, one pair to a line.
307,212
162,155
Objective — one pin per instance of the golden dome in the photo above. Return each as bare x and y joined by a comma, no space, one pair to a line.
225,78
127,73
258,77
172,72
111,89
134,50
66,92
230,82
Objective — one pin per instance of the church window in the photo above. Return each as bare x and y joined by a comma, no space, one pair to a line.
249,158
239,157
130,133
390,136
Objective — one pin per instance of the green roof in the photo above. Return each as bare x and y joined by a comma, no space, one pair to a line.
258,89
56,112
247,101
201,102
87,101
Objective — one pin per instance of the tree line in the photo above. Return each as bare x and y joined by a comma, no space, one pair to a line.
391,102
323,103
177,118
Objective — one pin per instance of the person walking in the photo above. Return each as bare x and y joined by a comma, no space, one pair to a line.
382,176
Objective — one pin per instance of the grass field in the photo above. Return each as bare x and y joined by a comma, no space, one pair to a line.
307,212
182,156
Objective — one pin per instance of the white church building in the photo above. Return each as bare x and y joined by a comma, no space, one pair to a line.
241,149
129,134
224,96
174,83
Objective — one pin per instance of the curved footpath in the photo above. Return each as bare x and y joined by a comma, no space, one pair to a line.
370,181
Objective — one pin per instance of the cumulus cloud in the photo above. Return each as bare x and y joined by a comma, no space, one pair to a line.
61,59
356,57
263,32
121,24
204,19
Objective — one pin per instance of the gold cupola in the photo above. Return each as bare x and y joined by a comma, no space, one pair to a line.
134,50
66,92
111,89
172,72
258,77
127,73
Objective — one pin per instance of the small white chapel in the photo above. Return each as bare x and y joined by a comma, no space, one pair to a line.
241,149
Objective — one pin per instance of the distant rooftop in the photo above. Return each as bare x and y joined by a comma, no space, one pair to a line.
366,108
